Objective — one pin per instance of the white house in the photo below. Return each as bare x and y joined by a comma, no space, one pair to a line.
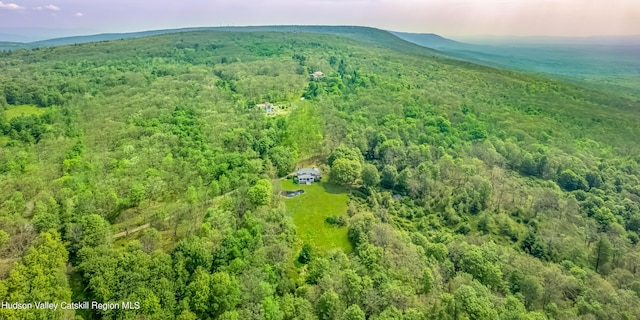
308,175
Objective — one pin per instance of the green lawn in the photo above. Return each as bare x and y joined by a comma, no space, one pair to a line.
320,201
27,110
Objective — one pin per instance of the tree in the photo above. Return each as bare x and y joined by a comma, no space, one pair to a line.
354,286
283,159
317,269
528,167
260,194
342,152
296,308
45,221
475,262
305,254
570,181
187,315
198,292
392,152
90,231
329,306
602,253
193,253
531,289
533,246
353,313
225,293
136,195
370,176
427,280
389,176
594,179
230,315
150,240
271,309
345,171
38,277
475,304
479,190
403,180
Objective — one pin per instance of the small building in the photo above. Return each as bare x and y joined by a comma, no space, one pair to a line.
308,175
267,107
317,75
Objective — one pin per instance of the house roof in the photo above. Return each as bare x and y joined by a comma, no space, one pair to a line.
306,176
309,171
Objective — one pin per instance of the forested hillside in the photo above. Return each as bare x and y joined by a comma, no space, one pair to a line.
141,170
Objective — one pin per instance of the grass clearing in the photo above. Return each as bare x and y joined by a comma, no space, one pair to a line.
23,110
309,210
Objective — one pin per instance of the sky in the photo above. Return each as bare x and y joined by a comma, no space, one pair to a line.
43,18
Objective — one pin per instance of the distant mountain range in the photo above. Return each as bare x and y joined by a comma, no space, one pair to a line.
568,56
541,40
610,63
432,40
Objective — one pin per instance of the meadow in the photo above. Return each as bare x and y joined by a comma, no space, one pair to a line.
311,209
23,110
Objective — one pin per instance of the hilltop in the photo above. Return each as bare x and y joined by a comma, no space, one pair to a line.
365,34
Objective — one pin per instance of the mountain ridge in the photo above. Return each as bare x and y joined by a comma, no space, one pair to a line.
361,33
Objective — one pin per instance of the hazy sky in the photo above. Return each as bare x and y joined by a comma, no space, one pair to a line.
446,17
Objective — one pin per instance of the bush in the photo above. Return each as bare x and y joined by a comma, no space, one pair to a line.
305,254
339,221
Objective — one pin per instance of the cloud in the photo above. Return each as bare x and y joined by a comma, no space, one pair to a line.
10,6
47,7
79,14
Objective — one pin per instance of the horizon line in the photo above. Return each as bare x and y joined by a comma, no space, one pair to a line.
98,33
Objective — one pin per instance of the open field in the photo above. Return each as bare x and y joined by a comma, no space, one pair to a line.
320,201
23,110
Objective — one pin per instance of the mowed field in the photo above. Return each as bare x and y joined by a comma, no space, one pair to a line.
309,210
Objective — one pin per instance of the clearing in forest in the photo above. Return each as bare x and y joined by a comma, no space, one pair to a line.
26,110
311,209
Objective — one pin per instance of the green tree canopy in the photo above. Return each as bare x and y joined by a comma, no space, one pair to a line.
260,194
345,171
370,176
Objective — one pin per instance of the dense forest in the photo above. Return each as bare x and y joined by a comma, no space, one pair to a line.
141,170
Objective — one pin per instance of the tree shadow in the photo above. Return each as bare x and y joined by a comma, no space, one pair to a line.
333,188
